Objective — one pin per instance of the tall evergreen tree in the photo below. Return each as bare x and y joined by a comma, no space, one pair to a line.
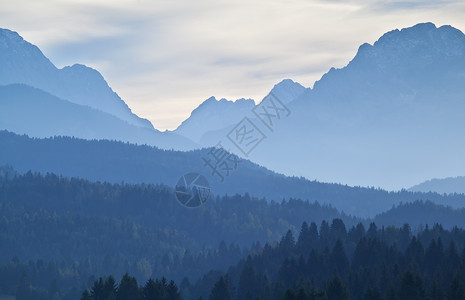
149,291
411,287
221,290
336,290
247,284
173,291
97,291
128,289
109,288
339,259
86,295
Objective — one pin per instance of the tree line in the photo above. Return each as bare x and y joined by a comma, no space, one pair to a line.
333,263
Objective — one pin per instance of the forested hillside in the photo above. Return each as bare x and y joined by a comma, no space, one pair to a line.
117,162
68,230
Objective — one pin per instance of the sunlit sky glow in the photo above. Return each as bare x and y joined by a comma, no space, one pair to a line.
165,57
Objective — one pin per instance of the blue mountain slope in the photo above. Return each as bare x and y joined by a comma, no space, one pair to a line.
28,110
392,117
22,62
448,185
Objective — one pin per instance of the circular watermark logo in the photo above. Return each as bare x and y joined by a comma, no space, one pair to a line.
192,190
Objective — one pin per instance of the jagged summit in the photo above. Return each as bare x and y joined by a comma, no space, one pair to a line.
287,90
209,121
213,114
24,63
401,61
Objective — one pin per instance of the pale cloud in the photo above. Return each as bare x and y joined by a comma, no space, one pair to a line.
165,57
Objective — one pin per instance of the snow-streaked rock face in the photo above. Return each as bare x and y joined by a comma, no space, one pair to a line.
22,62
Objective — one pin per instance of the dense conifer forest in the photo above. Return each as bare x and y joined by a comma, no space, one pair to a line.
59,236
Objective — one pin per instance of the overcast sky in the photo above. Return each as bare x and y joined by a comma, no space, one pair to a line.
164,57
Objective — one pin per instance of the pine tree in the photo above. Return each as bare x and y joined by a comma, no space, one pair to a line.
86,295
221,290
97,290
304,240
149,292
336,290
324,235
247,284
372,231
173,292
338,231
339,259
109,288
357,233
287,244
128,289
411,287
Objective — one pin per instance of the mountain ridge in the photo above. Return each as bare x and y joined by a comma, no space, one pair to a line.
213,119
23,62
365,123
116,162
22,105
449,185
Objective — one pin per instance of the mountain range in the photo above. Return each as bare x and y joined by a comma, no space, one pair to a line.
391,118
40,100
24,63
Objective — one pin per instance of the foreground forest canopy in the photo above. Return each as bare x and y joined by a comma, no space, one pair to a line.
383,264
59,236
329,262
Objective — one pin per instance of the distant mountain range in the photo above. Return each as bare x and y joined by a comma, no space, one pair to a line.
28,110
392,117
212,120
22,62
40,100
448,185
214,115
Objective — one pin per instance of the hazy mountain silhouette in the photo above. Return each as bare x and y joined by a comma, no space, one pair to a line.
213,115
22,62
27,110
211,121
448,185
392,117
